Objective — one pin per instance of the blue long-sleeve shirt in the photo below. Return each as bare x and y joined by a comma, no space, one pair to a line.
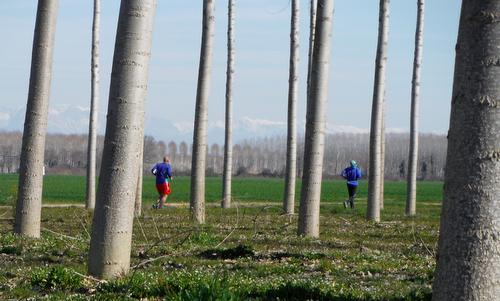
162,171
352,174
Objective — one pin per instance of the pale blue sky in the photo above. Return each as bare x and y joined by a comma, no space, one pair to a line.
262,54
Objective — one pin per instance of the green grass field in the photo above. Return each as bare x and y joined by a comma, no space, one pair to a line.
244,253
71,189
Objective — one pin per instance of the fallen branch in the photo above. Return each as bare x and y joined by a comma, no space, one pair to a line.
60,234
156,227
256,216
142,230
234,228
432,254
429,251
345,220
90,278
148,261
83,226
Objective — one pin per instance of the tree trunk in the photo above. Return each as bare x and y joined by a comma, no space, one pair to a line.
382,156
94,100
140,170
468,265
411,188
375,172
293,87
110,244
198,161
29,201
312,30
228,141
315,123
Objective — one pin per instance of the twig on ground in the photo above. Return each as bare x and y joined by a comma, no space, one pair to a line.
167,238
148,261
83,226
428,250
415,235
234,228
156,227
257,216
185,239
60,234
345,220
90,277
142,230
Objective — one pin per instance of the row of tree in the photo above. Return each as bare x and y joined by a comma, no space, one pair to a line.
469,258
66,154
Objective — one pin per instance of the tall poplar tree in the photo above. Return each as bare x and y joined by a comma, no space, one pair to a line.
29,195
312,30
94,101
110,244
198,163
293,91
228,140
411,188
316,122
375,167
468,261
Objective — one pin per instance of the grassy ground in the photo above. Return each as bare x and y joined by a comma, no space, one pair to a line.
71,189
240,254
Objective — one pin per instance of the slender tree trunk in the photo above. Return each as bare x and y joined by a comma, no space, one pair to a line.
29,201
198,163
94,100
382,156
315,123
468,266
411,188
375,172
140,172
293,91
110,244
228,141
312,30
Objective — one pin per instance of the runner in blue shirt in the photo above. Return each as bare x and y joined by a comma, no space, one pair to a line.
351,174
163,173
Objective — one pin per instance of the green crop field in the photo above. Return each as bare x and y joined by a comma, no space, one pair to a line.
71,189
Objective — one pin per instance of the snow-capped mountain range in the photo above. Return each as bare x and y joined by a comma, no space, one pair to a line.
68,119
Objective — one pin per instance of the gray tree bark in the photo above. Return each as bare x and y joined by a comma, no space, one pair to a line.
411,188
198,163
110,244
315,123
468,265
29,200
293,94
140,173
94,100
375,172
312,30
382,157
228,140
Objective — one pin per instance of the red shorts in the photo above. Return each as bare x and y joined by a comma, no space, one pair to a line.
163,189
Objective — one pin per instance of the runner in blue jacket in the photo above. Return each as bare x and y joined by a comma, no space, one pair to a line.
163,173
351,174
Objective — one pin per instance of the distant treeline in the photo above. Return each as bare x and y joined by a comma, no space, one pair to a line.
67,154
